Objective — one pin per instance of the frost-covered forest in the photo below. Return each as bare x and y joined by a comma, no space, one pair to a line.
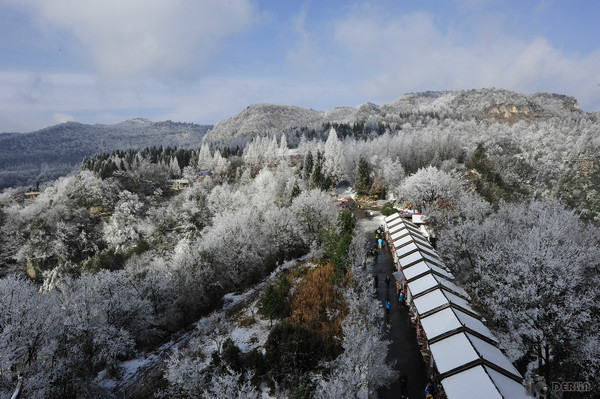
109,264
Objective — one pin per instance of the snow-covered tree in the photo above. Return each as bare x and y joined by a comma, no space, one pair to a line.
534,268
334,165
361,368
429,185
283,146
125,226
314,212
204,159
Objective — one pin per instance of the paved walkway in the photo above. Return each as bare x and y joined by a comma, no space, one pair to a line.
404,350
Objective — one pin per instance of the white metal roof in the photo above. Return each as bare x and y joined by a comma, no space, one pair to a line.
471,383
492,354
416,270
430,301
395,229
435,268
460,349
508,387
414,245
460,302
453,352
449,319
429,281
391,217
422,284
405,237
403,230
415,257
482,382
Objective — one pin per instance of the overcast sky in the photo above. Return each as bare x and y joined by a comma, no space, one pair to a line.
104,61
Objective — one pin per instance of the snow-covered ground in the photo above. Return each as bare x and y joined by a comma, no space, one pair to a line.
246,329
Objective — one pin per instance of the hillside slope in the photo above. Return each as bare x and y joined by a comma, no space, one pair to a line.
51,152
502,105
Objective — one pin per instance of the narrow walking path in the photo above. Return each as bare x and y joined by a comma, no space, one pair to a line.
404,350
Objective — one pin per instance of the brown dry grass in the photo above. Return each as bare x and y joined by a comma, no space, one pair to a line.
313,297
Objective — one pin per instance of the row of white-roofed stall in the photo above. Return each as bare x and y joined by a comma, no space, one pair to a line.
461,352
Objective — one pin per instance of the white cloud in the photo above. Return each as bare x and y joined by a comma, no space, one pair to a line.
412,53
62,118
137,39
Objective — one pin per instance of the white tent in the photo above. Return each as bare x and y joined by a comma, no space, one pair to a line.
461,349
482,382
449,320
406,260
464,350
402,239
420,268
394,216
438,299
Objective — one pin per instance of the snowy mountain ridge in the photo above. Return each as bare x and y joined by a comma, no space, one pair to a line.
27,158
499,104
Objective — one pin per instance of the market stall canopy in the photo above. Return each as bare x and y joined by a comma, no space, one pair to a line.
408,237
414,257
449,320
482,382
392,217
465,350
441,298
429,282
423,267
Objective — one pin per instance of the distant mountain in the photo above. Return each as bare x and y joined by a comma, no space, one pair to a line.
29,158
502,105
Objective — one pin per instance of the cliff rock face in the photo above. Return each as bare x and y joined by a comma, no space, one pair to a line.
501,105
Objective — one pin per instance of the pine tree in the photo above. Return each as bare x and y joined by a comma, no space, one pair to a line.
308,166
363,180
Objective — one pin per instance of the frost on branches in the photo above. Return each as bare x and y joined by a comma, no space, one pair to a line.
361,368
534,270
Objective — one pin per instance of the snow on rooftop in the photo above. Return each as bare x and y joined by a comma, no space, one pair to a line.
405,237
411,246
492,354
422,284
415,257
439,323
508,387
392,217
416,270
430,301
482,382
435,268
460,302
471,383
452,287
396,228
474,324
462,348
453,352
450,319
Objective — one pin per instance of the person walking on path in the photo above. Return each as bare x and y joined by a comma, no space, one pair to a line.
403,386
387,282
388,306
376,280
379,241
